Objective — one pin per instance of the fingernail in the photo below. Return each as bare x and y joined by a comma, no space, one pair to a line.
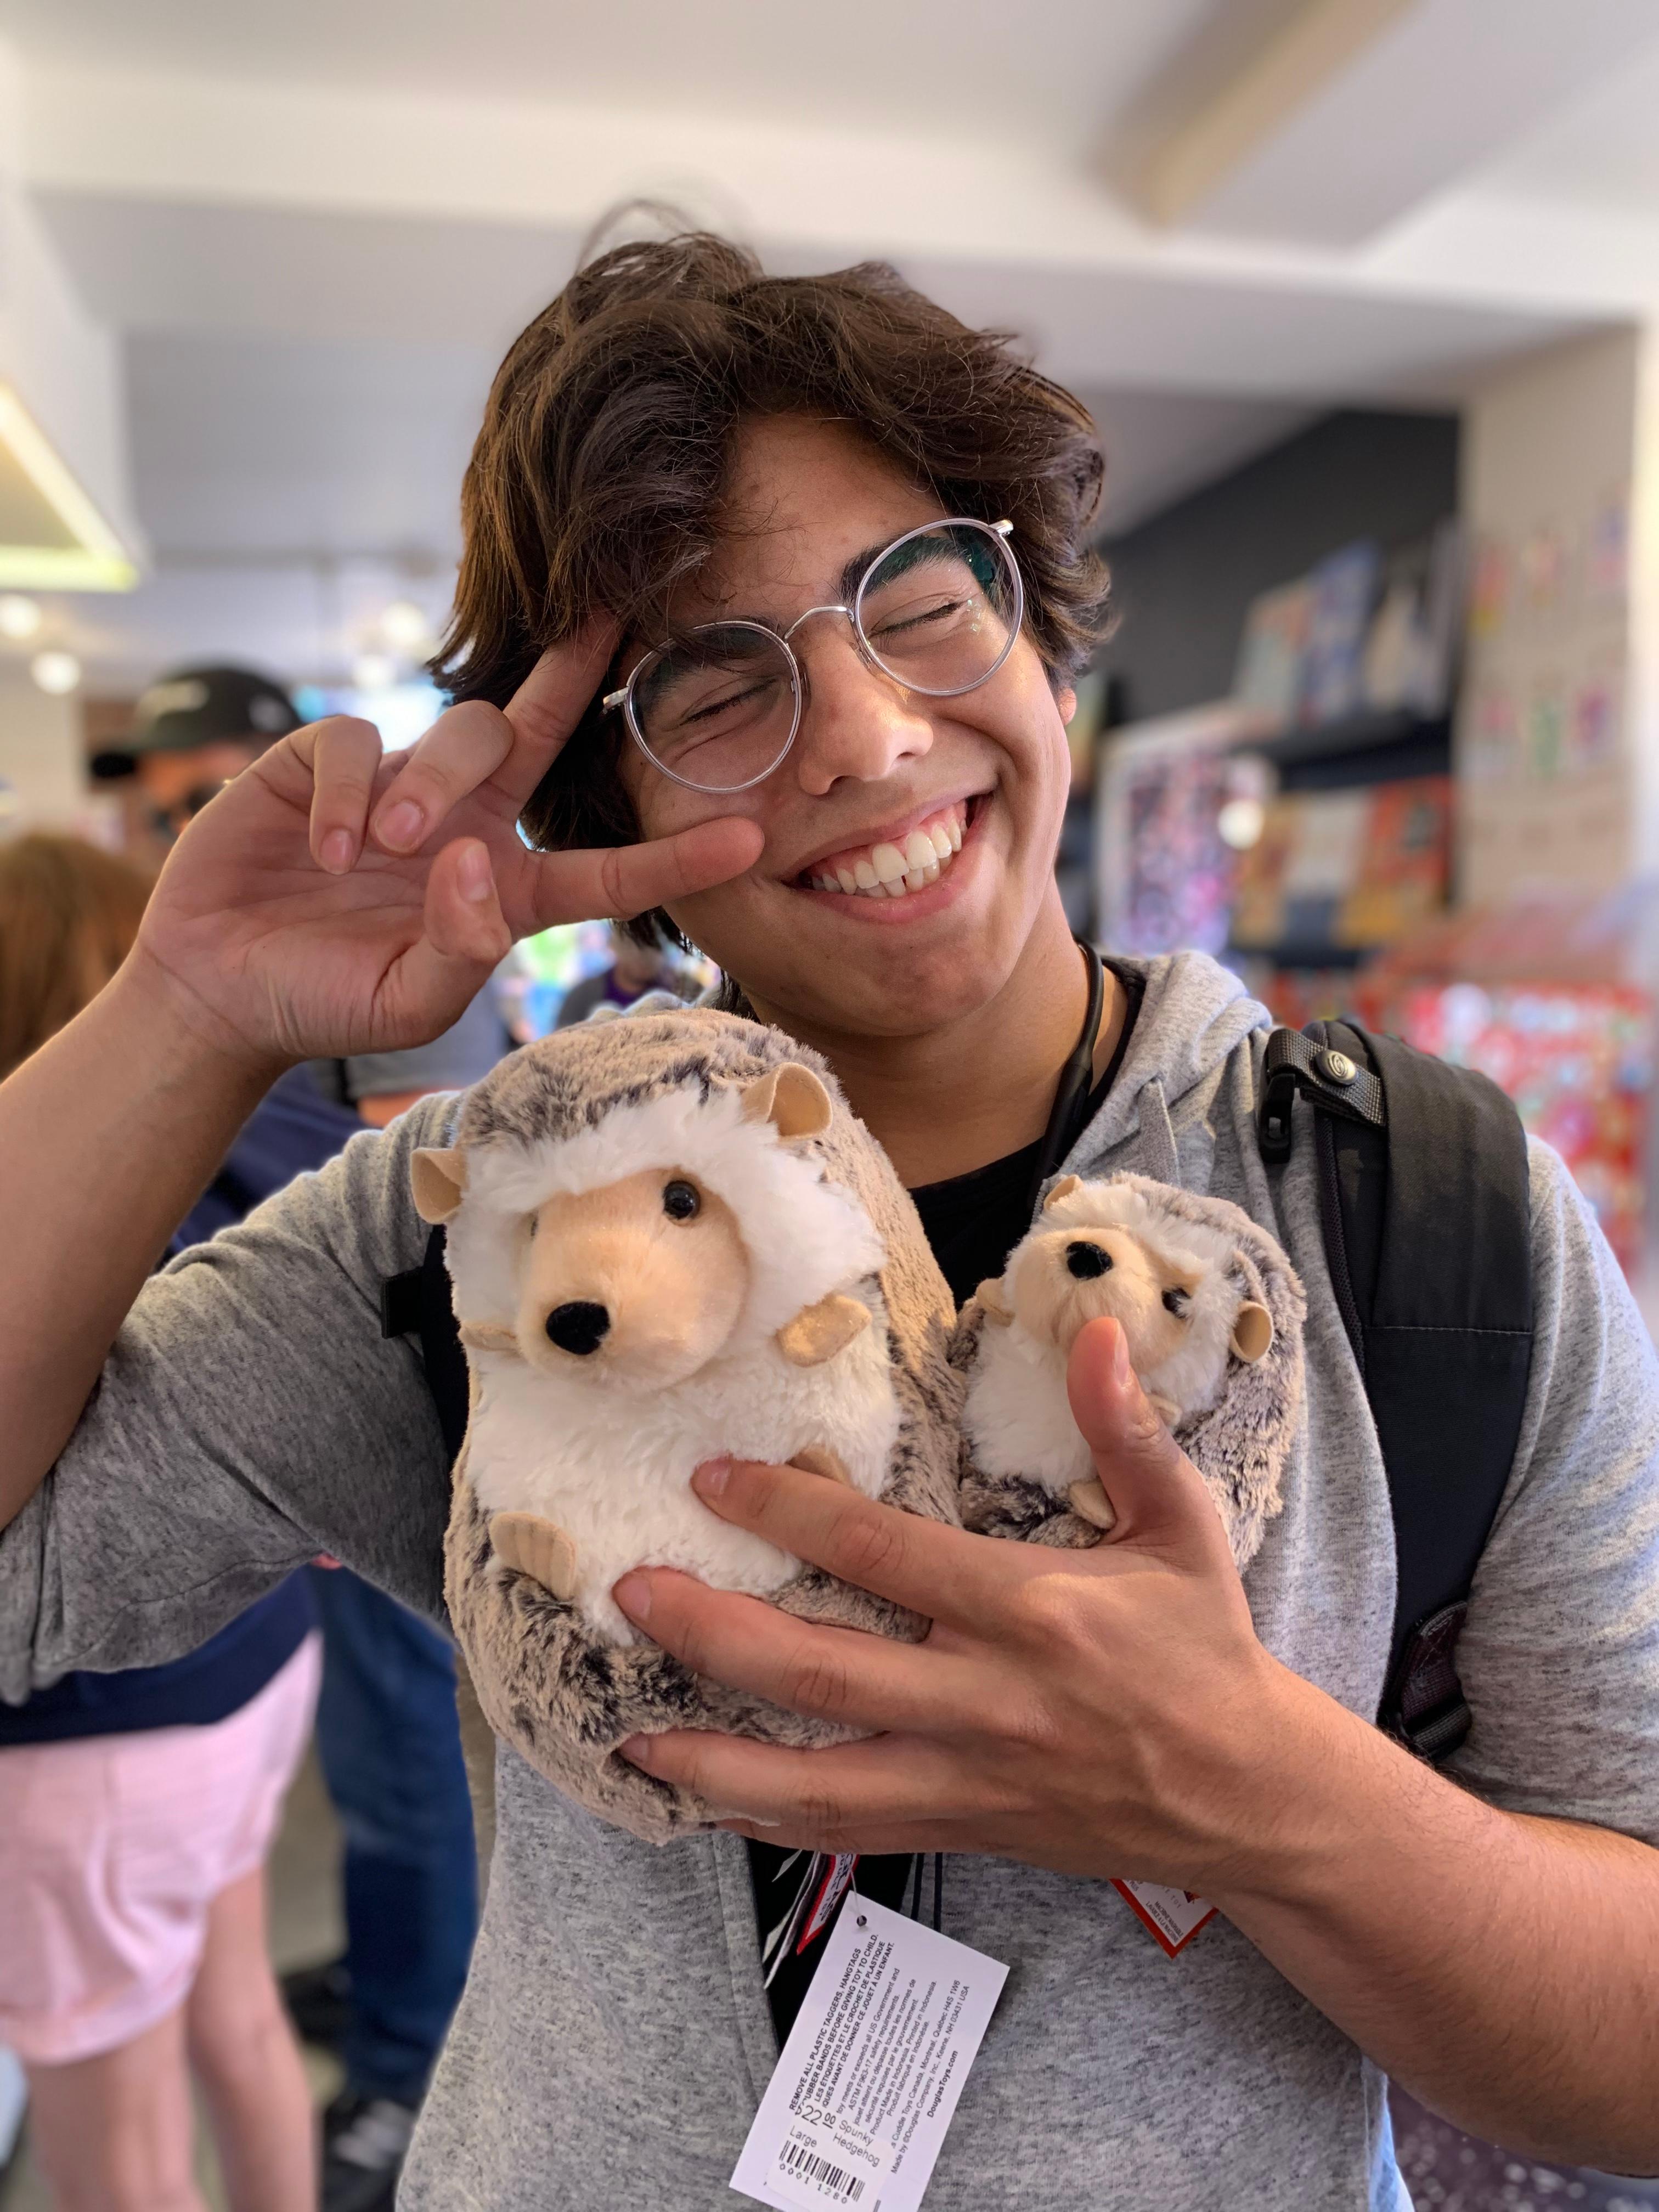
335,851
1119,1355
474,873
401,825
636,1750
709,1480
633,1595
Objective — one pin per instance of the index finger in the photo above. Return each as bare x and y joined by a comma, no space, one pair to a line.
945,1574
551,702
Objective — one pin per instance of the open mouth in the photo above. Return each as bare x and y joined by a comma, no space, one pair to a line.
913,863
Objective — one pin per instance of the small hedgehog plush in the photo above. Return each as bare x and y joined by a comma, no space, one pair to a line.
667,1240
1212,1314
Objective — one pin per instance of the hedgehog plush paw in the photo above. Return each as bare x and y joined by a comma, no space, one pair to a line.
818,1459
532,1546
1089,1503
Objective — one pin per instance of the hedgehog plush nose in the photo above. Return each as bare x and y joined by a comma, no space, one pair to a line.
1084,1261
581,1327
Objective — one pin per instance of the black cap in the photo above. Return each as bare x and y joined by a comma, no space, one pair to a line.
193,706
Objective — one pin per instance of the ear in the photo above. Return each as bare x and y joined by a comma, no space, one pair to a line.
818,1333
439,1179
791,1098
1253,1331
1063,1188
993,1300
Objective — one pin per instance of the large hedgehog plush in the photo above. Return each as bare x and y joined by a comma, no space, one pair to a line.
1212,1314
668,1239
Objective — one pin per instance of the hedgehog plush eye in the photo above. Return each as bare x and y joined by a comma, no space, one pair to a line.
681,1200
1176,1302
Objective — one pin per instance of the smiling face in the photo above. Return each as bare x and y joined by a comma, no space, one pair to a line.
909,840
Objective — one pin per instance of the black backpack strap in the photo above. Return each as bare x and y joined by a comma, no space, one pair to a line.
1425,1204
417,1304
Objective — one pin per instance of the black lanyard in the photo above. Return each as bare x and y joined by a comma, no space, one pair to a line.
1076,1080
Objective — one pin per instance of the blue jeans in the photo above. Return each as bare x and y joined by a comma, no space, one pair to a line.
390,1749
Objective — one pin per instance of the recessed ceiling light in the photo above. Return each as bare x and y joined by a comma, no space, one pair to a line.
20,618
56,671
404,626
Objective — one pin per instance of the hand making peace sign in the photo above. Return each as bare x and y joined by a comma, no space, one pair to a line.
332,901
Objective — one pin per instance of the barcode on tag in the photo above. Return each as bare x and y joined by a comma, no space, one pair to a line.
868,2081
798,2162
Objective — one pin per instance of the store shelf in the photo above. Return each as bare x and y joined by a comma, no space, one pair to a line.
1307,954
1370,731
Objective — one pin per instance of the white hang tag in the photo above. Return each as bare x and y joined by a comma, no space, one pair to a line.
858,2105
1175,1916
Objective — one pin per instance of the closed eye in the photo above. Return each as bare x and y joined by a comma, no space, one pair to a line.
1176,1302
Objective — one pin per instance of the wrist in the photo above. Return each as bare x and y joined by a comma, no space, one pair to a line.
1293,1795
1326,1793
159,1023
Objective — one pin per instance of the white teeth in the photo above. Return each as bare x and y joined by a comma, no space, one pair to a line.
891,871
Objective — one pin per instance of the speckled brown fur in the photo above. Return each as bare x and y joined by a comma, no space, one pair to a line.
1239,1447
560,1696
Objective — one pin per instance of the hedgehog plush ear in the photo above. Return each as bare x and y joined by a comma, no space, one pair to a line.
1063,1188
439,1179
791,1098
1253,1331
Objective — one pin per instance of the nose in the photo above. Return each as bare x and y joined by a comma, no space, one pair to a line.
579,1327
1084,1261
855,721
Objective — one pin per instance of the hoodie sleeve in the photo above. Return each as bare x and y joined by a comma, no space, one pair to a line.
250,1415
1559,1657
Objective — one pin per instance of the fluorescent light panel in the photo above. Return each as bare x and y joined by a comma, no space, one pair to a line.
83,554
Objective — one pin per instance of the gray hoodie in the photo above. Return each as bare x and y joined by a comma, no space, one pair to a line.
614,2037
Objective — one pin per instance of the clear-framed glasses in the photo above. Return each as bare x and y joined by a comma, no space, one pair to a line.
938,611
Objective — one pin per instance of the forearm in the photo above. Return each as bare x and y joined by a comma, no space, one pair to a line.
107,1136
1501,1968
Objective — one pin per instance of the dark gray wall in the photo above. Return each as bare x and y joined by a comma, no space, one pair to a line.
1182,581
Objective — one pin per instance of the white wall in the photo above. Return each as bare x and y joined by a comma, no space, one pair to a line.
1554,731
40,757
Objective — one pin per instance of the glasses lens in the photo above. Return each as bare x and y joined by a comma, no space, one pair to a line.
941,610
717,710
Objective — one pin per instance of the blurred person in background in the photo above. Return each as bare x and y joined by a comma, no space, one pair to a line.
387,1736
136,1809
388,1740
634,969
193,730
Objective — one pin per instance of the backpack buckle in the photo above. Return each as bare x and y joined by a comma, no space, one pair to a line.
1335,1082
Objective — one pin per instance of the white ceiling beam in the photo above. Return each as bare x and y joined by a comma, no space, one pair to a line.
1358,112
1293,61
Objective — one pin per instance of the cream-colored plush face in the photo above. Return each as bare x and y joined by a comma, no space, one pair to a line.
639,1283
1067,1277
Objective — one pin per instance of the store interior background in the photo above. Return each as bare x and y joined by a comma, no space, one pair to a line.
1365,295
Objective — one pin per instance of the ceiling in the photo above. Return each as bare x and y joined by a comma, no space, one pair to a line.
313,230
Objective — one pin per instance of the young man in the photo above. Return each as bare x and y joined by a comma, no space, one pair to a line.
679,442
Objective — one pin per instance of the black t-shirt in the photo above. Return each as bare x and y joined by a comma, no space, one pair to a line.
973,1222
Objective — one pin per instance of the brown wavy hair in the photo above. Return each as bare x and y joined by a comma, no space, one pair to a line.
596,482
68,913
